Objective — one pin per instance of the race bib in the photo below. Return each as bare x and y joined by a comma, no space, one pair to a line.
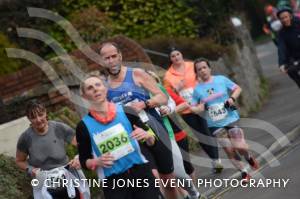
217,112
143,116
114,140
187,94
55,178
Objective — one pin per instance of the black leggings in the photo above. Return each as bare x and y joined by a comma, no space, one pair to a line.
62,193
184,148
200,129
146,188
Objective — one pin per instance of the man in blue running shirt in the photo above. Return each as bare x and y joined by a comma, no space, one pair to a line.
132,87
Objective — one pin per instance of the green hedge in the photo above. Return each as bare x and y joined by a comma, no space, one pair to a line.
139,19
13,182
7,65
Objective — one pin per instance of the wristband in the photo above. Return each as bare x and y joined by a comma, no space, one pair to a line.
150,132
29,169
233,99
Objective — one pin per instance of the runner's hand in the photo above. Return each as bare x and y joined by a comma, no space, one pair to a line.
139,134
74,163
230,102
138,106
106,160
164,110
283,69
35,172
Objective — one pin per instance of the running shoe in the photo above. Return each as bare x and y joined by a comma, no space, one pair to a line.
245,177
253,163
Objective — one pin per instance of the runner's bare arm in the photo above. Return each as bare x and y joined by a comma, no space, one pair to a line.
146,81
74,141
21,160
235,94
182,107
198,108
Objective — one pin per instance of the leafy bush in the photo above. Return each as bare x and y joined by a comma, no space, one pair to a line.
13,182
92,25
213,18
140,19
191,48
8,65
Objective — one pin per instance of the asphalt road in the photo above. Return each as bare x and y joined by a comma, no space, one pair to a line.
288,170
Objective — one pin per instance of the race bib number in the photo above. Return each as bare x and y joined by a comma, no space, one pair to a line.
187,94
55,178
217,112
114,140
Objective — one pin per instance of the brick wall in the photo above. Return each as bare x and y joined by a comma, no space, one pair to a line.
31,82
18,83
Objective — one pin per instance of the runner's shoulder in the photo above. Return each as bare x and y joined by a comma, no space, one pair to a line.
220,78
138,71
26,134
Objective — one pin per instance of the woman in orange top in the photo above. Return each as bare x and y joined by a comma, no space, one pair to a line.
181,78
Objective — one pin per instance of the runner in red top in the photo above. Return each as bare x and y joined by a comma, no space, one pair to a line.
181,78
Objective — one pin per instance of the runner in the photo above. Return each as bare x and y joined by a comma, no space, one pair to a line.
108,143
289,45
43,143
179,168
216,95
272,25
180,77
132,87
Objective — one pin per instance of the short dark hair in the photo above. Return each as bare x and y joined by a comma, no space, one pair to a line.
34,108
114,44
284,9
198,60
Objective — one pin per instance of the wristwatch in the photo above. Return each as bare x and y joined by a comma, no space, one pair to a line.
29,170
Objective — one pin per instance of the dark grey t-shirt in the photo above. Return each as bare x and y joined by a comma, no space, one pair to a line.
46,151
